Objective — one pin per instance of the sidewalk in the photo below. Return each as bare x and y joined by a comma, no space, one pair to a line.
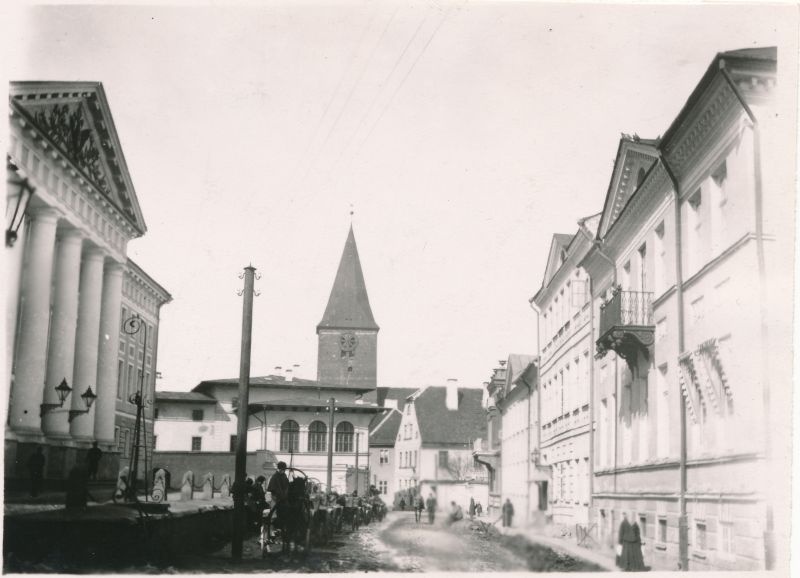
565,545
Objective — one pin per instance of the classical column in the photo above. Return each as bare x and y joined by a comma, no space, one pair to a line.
61,352
31,356
86,341
109,354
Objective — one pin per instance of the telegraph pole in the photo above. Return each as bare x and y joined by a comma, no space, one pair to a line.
241,415
357,464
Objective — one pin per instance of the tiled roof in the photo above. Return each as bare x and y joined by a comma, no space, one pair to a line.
384,432
348,306
438,425
185,396
518,364
398,394
277,381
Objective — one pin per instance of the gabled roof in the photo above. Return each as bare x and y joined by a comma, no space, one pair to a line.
558,250
348,305
76,120
279,382
635,157
440,426
384,431
521,368
399,394
184,396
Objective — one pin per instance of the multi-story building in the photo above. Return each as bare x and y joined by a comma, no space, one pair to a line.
435,441
66,261
690,284
563,306
289,417
487,452
142,299
382,437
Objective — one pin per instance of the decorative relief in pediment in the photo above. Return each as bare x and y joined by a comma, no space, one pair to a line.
66,127
75,124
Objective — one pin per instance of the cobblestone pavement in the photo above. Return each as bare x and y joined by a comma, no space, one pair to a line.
398,544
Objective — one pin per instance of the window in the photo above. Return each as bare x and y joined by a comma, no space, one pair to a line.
700,535
290,436
155,413
149,341
155,441
122,441
317,434
443,459
694,228
414,462
718,200
123,318
643,268
384,456
383,486
643,526
197,444
232,443
197,415
660,264
726,537
120,378
129,388
344,437
662,530
662,412
349,369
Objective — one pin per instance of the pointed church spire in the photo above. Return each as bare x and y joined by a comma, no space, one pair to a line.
348,306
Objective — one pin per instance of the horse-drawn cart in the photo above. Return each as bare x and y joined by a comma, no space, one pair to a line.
291,518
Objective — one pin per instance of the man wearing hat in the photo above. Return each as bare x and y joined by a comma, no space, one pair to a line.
279,484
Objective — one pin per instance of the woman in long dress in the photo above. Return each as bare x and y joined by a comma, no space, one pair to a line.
630,558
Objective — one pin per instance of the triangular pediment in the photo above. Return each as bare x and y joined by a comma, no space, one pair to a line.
557,256
635,158
76,120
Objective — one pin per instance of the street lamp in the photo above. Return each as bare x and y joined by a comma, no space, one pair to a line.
88,398
23,191
63,390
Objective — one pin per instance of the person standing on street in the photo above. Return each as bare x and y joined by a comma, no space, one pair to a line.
36,470
471,508
430,505
402,504
630,546
93,460
419,506
508,513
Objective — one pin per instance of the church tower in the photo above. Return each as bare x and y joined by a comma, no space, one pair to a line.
348,334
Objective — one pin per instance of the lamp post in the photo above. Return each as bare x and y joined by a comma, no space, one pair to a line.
331,409
132,326
21,189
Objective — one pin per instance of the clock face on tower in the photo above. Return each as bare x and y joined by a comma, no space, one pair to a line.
348,342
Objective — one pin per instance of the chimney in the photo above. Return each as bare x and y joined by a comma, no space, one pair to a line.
289,374
451,396
278,370
296,370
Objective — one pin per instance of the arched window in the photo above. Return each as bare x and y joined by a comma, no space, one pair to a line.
344,437
317,434
290,436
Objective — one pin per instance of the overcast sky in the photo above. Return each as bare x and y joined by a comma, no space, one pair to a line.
464,134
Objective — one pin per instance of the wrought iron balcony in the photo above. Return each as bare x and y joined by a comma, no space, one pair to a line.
626,324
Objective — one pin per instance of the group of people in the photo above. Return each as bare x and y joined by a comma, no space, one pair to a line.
78,475
256,496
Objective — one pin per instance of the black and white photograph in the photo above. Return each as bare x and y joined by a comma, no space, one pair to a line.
415,286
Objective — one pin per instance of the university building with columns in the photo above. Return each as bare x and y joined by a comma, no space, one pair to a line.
66,277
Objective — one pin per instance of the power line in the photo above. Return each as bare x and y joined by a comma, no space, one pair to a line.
380,91
351,61
402,82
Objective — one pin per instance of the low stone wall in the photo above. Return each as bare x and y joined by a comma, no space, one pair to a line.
201,463
110,537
